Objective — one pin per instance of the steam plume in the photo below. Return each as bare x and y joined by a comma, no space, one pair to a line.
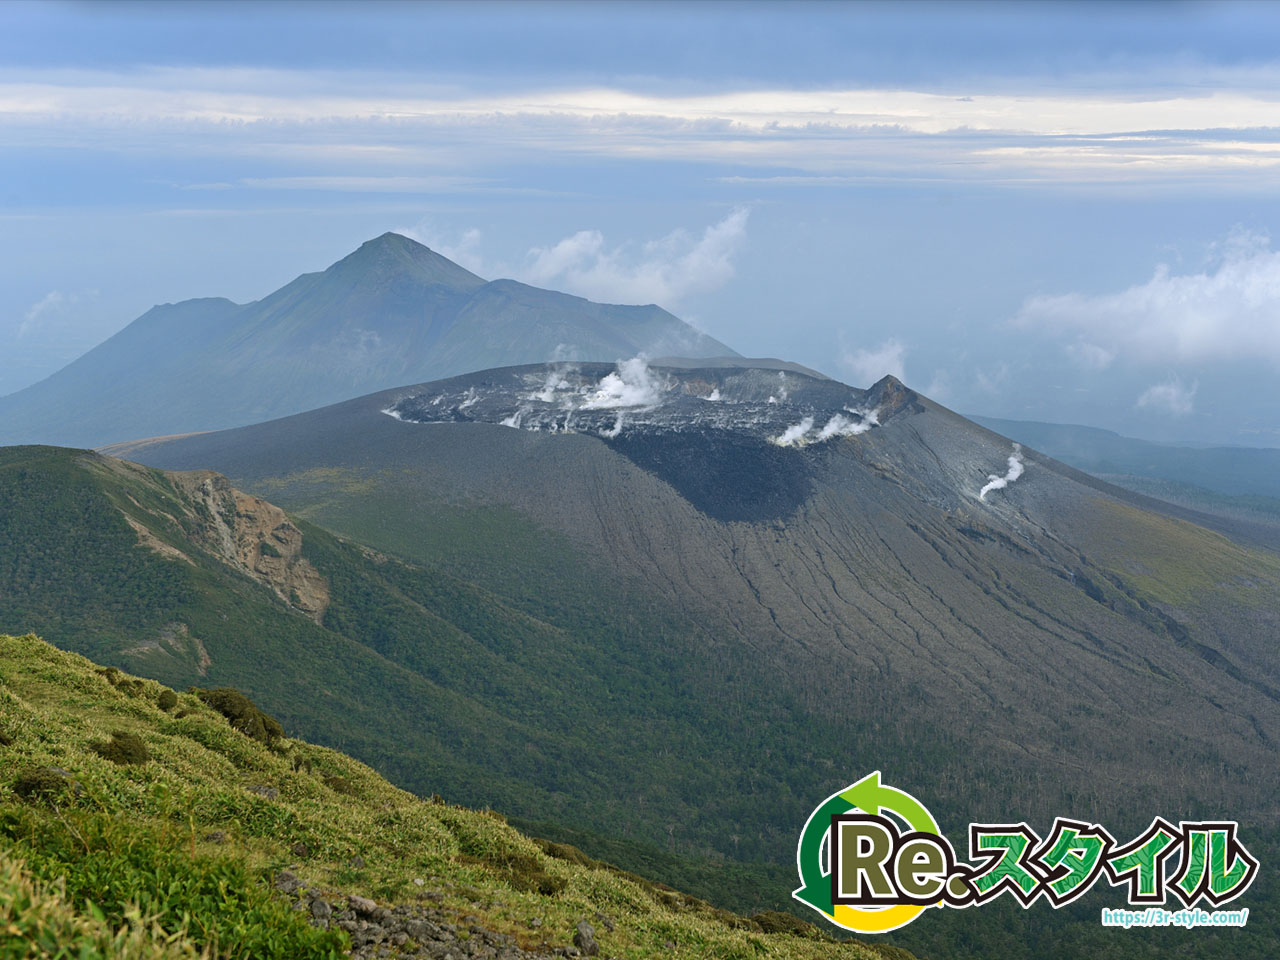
995,482
631,385
614,430
841,426
794,434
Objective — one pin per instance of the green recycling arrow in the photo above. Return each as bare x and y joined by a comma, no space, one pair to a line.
867,795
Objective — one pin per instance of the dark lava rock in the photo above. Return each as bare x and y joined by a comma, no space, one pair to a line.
287,883
584,938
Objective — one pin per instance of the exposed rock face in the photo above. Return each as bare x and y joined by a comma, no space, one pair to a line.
243,531
175,638
257,538
152,542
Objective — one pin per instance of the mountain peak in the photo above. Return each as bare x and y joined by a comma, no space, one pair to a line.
393,253
390,313
891,395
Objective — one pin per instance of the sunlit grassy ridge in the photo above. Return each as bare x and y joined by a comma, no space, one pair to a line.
1182,564
136,839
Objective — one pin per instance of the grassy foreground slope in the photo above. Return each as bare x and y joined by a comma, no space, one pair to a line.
173,856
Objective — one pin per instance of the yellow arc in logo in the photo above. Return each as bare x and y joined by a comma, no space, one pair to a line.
875,921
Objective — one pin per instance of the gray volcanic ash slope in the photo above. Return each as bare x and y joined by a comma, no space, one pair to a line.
880,561
392,312
719,437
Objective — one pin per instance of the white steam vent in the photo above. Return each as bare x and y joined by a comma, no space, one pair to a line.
996,482
623,401
839,425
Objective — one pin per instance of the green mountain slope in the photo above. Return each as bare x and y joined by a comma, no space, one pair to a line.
628,719
392,312
1051,650
199,841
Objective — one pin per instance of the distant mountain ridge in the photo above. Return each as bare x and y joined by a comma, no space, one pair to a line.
392,312
1234,471
1233,483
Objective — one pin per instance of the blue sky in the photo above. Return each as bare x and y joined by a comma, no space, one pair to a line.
1057,212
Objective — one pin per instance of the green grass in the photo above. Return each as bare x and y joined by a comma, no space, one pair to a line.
38,919
115,863
1179,563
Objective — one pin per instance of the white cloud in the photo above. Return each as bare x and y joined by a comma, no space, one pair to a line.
1171,396
39,312
1091,356
1229,311
662,271
868,366
464,250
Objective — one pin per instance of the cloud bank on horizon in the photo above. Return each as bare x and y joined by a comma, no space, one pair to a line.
1040,214
1095,134
1228,310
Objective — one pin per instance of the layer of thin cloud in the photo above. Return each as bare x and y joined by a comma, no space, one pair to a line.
1229,311
664,271
255,96
867,365
1230,136
357,184
35,315
1171,396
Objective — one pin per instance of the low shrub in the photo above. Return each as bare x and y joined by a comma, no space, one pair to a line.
242,714
123,748
43,783
340,785
566,851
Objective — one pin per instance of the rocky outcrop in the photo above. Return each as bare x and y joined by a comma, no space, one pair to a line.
422,930
256,537
245,532
175,639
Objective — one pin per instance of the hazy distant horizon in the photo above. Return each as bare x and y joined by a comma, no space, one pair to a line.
1039,213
